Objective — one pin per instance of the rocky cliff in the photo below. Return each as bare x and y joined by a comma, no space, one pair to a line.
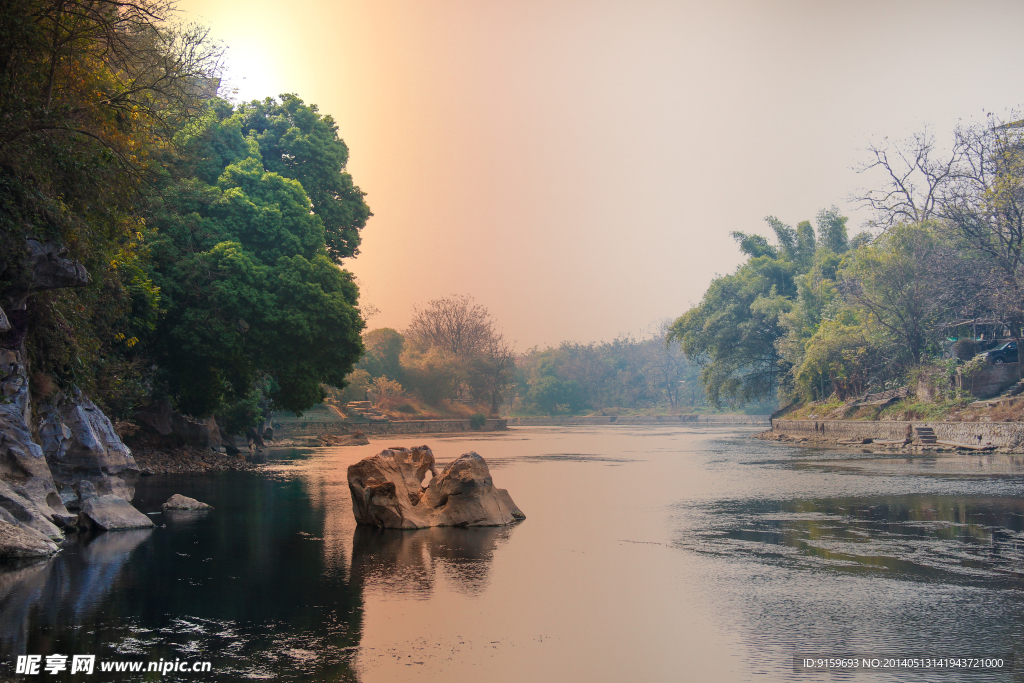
58,455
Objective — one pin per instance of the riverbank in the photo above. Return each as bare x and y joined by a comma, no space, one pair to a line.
637,420
188,459
911,436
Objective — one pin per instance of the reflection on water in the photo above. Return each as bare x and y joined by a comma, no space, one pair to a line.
397,562
925,538
650,553
959,464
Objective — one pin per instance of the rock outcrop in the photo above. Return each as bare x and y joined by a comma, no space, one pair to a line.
19,542
180,502
27,489
76,442
161,418
46,266
81,447
388,491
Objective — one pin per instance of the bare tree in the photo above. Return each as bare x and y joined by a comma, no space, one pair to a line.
456,324
495,364
977,194
916,179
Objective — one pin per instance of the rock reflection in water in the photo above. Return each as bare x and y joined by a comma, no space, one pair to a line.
947,538
402,561
68,586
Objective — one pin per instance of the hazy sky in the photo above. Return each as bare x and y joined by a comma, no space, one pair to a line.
577,166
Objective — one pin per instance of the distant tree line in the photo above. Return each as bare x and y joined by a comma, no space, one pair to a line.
814,313
452,350
623,375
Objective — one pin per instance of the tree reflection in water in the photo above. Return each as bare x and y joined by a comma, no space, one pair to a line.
917,537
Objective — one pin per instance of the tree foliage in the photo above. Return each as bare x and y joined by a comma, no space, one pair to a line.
626,374
251,295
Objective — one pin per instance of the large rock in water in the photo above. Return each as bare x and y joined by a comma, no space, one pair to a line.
85,454
388,492
110,513
180,502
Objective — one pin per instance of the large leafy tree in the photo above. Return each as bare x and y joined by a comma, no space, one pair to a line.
297,142
891,280
750,328
732,332
254,301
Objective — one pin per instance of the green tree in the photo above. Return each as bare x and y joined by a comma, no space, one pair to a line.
891,281
832,230
297,142
732,333
252,297
89,92
383,357
552,394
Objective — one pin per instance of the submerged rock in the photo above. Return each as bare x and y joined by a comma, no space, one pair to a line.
180,502
388,491
357,439
111,513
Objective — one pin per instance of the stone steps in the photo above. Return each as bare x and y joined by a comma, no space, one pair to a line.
926,435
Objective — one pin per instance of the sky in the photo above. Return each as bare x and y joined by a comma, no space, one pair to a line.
577,166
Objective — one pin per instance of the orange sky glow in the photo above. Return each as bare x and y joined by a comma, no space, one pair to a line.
577,166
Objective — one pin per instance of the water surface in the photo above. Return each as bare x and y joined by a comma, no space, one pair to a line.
649,553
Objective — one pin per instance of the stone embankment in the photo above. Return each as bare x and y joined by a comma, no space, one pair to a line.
1003,436
285,430
638,420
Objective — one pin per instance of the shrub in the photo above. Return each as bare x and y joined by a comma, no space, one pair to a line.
477,420
965,349
386,392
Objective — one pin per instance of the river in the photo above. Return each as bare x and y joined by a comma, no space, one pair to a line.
648,554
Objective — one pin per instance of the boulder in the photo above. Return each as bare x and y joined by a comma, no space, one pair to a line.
388,491
111,513
18,542
180,502
27,489
51,269
156,416
85,454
